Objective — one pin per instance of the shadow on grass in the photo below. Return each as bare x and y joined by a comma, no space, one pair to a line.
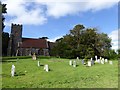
19,74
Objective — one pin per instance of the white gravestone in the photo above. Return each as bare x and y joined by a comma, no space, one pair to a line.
38,63
46,68
102,61
89,63
70,62
100,58
99,61
74,63
77,58
96,58
110,62
91,59
13,70
106,60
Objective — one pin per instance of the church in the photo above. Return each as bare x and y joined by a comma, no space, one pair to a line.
20,46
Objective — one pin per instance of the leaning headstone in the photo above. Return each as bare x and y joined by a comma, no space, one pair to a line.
110,62
34,57
13,70
106,60
89,63
38,63
74,63
70,62
83,61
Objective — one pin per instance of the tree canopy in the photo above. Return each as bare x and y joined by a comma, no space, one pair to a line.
82,42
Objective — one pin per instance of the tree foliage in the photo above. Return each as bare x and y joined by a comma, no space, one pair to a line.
84,43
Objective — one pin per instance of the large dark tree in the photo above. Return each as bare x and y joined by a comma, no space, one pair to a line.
82,42
4,10
5,35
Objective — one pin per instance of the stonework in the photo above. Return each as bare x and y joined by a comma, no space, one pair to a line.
19,46
15,39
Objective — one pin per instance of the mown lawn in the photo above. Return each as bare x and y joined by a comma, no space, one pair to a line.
61,74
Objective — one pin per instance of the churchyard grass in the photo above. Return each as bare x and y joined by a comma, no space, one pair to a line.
61,74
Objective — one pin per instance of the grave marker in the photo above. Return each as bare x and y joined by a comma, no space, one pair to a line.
89,63
83,61
106,60
38,63
34,57
74,63
46,68
13,70
70,62
110,62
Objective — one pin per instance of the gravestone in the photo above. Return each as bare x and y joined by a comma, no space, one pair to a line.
96,58
102,61
38,63
91,59
74,63
106,60
89,63
13,70
77,58
110,62
70,62
34,57
92,62
99,60
83,61
46,68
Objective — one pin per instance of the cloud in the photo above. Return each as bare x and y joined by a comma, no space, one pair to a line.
114,36
32,12
18,12
59,9
54,39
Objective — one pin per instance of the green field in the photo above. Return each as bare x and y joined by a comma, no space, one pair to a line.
61,74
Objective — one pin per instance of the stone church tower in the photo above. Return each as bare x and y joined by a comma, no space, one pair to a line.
15,39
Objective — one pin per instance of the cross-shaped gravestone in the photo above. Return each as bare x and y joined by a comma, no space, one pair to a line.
13,70
38,63
70,62
74,63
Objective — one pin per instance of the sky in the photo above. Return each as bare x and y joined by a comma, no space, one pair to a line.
54,19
